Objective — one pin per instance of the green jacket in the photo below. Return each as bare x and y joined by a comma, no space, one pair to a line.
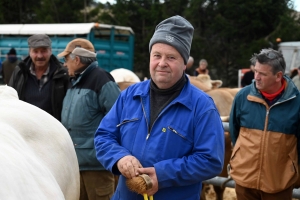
266,139
87,101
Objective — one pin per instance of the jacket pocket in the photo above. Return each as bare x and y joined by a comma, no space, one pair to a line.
85,152
165,140
235,151
128,129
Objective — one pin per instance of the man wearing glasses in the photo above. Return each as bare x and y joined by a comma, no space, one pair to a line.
92,93
40,79
264,128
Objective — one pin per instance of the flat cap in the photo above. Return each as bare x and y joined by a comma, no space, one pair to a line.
39,40
83,52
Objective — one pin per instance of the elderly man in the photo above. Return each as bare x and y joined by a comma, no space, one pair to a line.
40,79
163,127
91,95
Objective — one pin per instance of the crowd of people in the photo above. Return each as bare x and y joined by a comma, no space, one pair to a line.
165,127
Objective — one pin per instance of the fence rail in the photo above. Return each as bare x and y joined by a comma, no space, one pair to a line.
222,181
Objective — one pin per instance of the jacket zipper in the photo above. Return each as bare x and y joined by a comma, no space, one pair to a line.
174,131
262,145
265,131
126,121
148,134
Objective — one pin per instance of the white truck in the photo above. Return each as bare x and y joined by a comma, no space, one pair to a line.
291,54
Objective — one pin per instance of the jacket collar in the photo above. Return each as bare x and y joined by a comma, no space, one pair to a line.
182,98
92,66
290,90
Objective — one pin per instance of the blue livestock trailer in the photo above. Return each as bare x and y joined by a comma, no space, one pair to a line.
114,45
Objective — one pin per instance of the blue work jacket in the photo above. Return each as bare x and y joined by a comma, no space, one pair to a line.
185,144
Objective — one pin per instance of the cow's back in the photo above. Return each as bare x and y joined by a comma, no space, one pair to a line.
37,157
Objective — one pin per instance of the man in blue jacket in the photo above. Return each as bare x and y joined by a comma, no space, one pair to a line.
163,127
92,93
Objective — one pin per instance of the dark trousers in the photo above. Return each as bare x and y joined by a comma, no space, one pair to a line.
96,185
243,193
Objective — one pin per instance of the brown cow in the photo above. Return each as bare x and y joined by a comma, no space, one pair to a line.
204,82
124,85
223,98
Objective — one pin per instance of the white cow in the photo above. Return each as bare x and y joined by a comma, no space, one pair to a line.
124,75
37,156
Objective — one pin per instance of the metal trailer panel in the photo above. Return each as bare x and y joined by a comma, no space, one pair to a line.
55,29
114,45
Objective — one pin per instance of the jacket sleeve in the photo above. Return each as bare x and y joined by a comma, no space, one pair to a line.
17,78
234,124
12,78
107,138
108,95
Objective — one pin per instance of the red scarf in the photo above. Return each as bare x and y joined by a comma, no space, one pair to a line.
270,97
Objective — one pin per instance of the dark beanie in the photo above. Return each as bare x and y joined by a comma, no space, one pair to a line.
12,51
177,32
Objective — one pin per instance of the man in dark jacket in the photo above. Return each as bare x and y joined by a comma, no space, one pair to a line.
40,79
92,93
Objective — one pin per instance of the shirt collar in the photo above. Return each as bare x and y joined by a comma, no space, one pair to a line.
32,70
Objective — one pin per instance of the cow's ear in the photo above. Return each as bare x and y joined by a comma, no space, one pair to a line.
203,77
216,83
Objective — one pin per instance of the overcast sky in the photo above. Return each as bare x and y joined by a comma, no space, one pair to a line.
104,1
296,3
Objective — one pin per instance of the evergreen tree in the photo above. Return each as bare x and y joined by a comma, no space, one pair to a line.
227,32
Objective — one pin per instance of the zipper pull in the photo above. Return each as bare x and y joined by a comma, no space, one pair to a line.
172,129
147,136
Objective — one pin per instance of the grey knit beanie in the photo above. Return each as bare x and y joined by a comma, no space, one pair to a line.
177,32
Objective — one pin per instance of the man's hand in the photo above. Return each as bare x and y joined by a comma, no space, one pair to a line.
150,171
128,166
